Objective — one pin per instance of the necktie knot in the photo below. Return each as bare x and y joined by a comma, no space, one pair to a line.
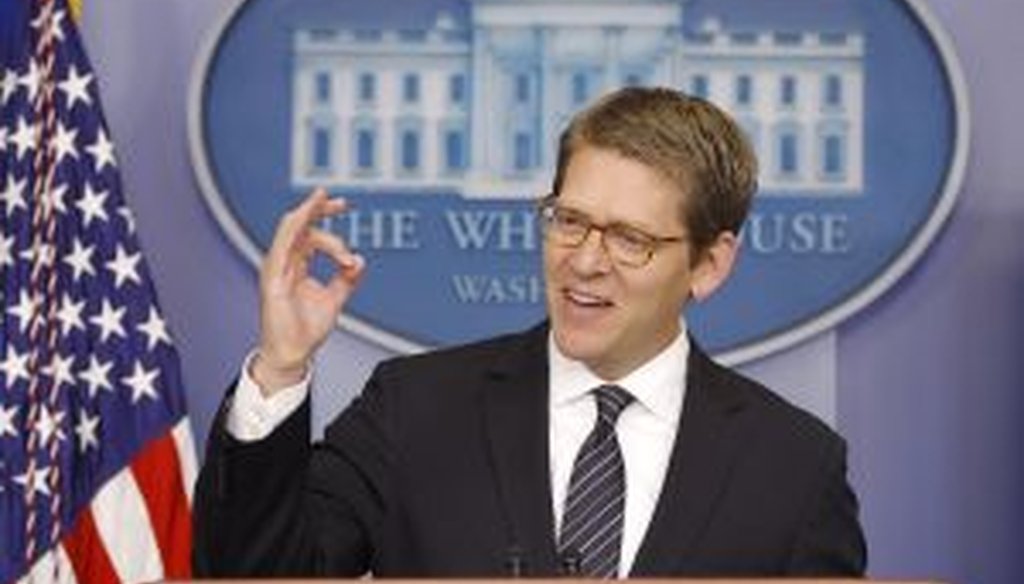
611,400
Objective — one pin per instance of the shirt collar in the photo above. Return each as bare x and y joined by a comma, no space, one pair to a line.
658,385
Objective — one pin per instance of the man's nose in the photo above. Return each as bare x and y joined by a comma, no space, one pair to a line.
590,257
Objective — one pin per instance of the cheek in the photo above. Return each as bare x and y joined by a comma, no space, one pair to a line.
553,259
662,295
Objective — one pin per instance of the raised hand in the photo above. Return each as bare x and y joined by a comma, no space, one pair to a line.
297,311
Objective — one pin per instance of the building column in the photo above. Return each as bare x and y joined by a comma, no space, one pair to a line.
480,149
612,57
547,90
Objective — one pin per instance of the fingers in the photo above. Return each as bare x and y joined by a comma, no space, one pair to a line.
294,227
345,280
333,247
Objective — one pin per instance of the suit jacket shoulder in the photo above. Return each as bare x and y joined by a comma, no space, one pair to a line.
752,472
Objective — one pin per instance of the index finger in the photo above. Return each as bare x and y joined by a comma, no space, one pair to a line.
296,222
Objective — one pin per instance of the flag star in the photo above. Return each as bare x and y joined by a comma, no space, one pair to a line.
7,427
49,426
24,309
31,80
47,17
102,151
42,253
6,249
91,205
97,375
109,321
86,431
70,315
13,196
80,259
59,370
124,266
3,129
24,138
35,481
14,366
155,328
142,382
8,85
54,199
76,87
55,25
63,143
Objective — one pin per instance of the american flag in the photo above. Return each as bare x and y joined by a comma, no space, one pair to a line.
97,459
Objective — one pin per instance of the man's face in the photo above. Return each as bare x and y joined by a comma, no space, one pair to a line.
613,317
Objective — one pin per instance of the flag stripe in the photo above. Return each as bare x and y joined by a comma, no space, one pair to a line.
186,456
45,571
123,524
158,475
88,556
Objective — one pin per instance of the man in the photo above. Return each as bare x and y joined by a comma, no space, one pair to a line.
603,443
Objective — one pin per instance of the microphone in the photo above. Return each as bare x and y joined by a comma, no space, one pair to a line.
571,563
515,564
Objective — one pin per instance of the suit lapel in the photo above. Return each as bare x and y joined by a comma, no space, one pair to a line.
706,446
516,424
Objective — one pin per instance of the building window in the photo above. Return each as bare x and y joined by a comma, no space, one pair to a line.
579,88
744,90
743,38
411,88
367,87
321,149
410,155
365,149
833,91
832,156
699,86
832,144
368,35
522,88
457,89
523,152
454,151
788,153
323,88
787,91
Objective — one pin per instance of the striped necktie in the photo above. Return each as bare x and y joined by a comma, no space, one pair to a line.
591,534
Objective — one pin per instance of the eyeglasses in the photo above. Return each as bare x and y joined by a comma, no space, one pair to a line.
625,245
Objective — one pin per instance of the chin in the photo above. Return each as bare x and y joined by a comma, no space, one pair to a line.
579,345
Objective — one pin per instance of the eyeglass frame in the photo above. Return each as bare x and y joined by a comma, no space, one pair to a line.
547,206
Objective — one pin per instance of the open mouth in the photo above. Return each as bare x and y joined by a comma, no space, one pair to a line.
586,299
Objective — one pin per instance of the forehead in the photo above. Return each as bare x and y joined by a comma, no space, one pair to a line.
611,187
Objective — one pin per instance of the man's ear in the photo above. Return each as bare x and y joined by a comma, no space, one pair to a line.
714,266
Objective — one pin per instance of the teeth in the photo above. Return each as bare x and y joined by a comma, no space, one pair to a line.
586,299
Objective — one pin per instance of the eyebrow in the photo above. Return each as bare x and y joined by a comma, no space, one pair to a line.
646,230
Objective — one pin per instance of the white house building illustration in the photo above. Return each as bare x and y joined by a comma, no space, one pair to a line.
475,105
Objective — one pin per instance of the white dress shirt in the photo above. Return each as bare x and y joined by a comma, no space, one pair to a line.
646,429
251,416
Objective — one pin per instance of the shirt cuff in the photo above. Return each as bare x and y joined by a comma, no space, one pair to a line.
251,416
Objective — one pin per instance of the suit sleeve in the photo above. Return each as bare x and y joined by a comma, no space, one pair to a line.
831,543
283,507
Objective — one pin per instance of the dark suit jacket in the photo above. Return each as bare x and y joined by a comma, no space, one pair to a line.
440,468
